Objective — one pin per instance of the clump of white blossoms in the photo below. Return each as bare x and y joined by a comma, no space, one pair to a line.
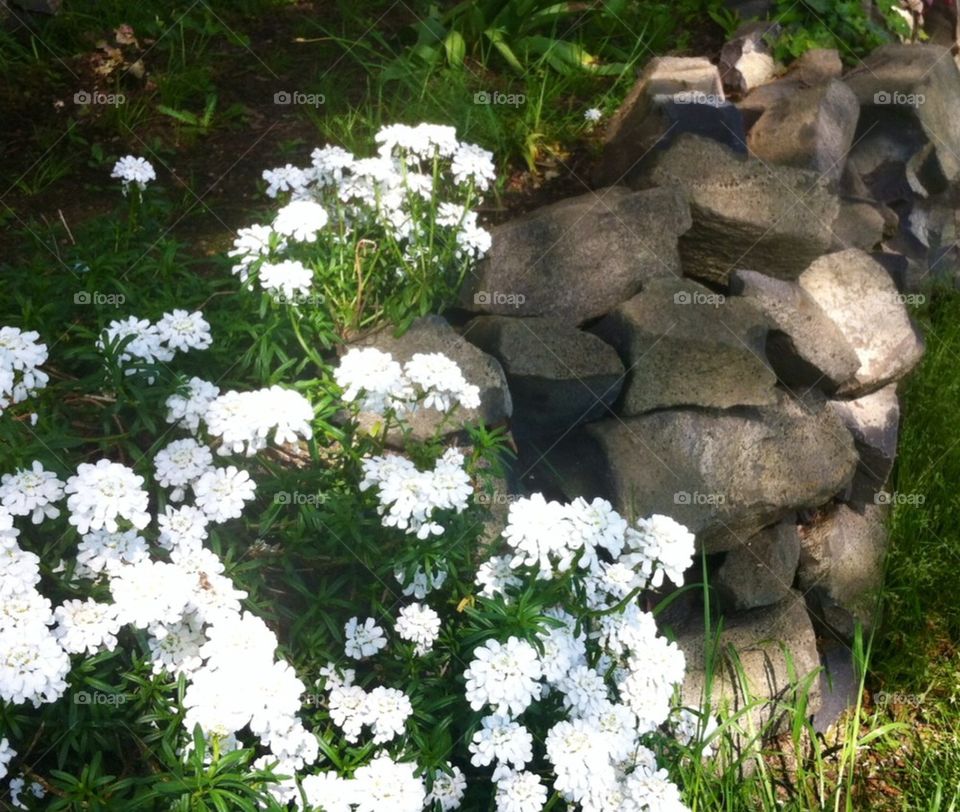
133,171
104,492
420,625
504,676
427,380
592,115
140,343
31,492
180,464
243,421
222,492
21,355
363,639
189,409
408,497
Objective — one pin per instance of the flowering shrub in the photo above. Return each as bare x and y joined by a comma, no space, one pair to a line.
253,602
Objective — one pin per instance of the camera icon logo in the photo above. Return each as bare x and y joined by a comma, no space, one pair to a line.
481,97
882,97
282,97
82,97
481,297
81,297
682,297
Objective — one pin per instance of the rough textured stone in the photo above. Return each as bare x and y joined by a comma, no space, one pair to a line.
811,128
839,683
807,348
579,258
841,566
817,65
920,79
858,225
771,645
726,474
858,294
685,345
761,572
674,95
746,214
558,375
886,140
746,60
434,334
874,422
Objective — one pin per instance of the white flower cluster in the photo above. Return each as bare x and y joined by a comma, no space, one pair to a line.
132,170
243,421
146,344
380,383
341,197
597,753
408,497
21,355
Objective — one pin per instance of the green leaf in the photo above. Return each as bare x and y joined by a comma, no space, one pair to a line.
456,48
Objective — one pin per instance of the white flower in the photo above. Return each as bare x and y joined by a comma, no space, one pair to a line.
131,170
180,464
660,546
593,115
329,792
150,592
300,220
421,585
503,675
191,408
175,647
419,624
103,551
502,740
387,712
449,787
363,640
250,245
24,608
20,356
184,331
102,493
540,532
520,792
236,640
384,784
496,576
439,382
580,759
347,706
86,626
584,691
286,280
421,142
144,345
6,756
182,528
33,666
692,729
374,374
562,651
19,569
243,420
31,492
329,164
471,164
646,792
222,492
647,688
284,179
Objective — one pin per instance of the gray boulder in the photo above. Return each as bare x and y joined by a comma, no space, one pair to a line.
725,474
859,225
874,422
684,345
841,566
579,258
859,296
811,128
558,375
816,66
761,572
806,348
922,81
773,648
746,214
433,334
746,60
